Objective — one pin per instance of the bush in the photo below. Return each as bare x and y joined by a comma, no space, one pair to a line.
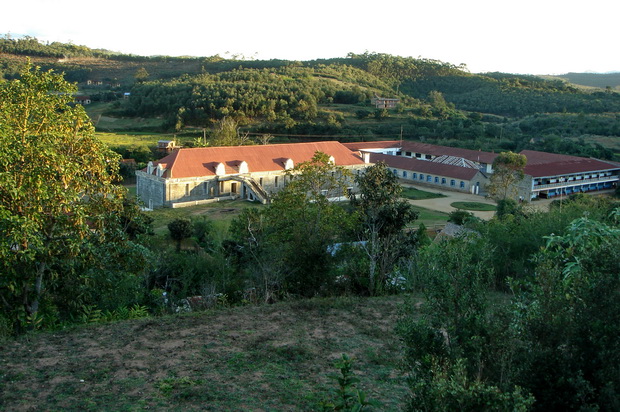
180,229
460,217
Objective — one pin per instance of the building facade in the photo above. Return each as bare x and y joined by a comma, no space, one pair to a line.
546,174
200,175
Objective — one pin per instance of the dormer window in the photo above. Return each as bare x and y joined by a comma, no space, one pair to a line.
289,164
243,167
220,169
160,170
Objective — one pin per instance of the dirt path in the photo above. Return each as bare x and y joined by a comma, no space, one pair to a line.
443,204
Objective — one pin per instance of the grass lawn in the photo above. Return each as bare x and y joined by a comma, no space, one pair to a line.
417,194
475,206
430,218
131,139
221,213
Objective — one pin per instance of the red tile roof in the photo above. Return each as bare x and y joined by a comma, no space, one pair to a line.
541,164
196,162
425,148
385,144
424,166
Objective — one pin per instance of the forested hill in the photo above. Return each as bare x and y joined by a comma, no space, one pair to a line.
331,98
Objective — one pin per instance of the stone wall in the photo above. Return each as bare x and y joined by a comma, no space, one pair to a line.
150,190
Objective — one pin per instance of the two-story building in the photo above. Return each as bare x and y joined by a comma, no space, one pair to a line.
199,175
548,175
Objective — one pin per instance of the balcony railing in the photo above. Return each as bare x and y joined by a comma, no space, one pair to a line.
568,183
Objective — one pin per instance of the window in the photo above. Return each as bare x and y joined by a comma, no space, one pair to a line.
429,178
436,179
404,173
408,154
187,189
260,181
415,176
462,184
276,182
395,172
421,176
452,182
443,180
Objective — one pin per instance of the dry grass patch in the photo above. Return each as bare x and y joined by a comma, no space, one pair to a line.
274,357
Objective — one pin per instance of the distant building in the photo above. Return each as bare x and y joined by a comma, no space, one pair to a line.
167,146
82,100
200,175
384,102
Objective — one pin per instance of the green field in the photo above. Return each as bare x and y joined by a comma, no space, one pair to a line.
430,218
132,139
417,194
97,113
475,206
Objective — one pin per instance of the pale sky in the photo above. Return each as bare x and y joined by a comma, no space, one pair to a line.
525,36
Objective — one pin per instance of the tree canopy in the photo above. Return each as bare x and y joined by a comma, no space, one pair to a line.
508,170
58,201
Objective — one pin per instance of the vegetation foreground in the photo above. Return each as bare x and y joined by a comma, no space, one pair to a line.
268,357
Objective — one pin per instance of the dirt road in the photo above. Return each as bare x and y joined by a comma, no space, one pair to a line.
443,204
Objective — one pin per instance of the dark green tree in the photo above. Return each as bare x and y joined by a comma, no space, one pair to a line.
384,216
568,315
286,245
58,203
457,351
180,229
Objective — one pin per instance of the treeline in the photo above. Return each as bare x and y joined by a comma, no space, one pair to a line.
601,80
31,46
512,95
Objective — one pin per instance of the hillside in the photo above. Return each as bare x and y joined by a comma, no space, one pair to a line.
331,99
275,357
598,80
